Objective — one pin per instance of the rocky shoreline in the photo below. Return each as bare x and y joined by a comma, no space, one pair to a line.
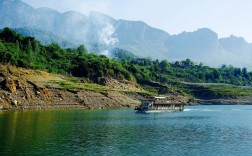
25,95
64,99
23,89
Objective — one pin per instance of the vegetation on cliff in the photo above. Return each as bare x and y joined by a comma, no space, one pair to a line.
159,77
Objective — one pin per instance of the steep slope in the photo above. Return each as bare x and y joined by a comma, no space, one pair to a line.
140,38
15,14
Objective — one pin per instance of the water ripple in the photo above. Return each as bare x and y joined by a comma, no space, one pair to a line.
227,130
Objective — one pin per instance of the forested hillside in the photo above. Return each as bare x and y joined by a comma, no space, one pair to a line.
27,52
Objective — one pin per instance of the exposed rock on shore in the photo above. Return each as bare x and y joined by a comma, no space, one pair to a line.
32,90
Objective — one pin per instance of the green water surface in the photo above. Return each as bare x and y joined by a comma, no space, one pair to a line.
199,130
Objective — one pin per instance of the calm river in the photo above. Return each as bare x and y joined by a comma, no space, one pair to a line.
199,130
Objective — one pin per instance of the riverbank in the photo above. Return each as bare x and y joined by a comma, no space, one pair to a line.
23,89
26,89
67,99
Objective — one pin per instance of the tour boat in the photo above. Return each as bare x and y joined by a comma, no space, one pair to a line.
159,104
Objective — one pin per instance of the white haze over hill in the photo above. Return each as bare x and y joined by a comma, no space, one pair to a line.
102,32
105,32
108,38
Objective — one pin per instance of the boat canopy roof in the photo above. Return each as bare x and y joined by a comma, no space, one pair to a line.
147,99
158,97
153,98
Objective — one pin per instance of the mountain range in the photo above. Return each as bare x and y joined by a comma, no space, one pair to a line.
100,30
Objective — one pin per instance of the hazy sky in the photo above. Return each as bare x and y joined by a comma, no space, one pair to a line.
225,17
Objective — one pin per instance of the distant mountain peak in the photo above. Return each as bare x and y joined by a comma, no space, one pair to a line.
206,31
202,33
96,13
72,12
47,10
234,39
100,16
237,38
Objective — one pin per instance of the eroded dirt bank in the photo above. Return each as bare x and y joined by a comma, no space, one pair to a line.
23,89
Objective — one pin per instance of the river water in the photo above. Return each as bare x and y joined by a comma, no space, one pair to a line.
199,130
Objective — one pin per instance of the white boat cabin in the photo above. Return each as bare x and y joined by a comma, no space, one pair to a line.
159,103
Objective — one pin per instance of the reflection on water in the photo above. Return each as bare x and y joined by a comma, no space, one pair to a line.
199,130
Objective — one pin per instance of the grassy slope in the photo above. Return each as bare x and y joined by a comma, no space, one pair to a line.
214,91
44,79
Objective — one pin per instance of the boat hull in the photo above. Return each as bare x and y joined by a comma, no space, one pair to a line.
157,111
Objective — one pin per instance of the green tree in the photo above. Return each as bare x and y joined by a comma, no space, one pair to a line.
3,51
245,73
9,35
164,66
81,50
216,75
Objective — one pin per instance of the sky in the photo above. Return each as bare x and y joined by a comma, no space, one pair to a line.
225,17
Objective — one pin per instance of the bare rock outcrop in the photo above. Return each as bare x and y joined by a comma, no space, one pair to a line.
23,89
9,85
